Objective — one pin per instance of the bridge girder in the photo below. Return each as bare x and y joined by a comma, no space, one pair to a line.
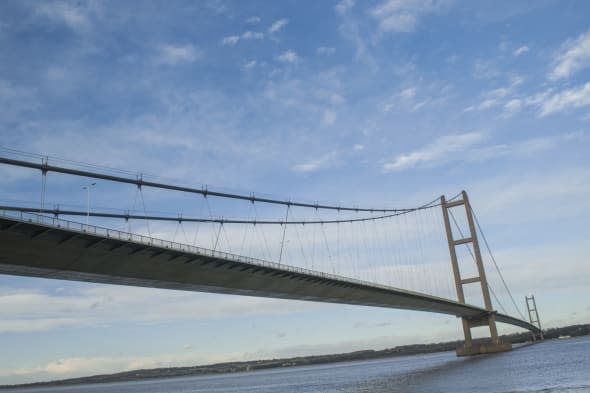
62,253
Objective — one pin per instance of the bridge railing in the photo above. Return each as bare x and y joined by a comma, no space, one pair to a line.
54,222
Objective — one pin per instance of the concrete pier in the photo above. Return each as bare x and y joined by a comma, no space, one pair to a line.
482,349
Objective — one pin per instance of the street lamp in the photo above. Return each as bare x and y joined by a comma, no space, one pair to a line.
87,188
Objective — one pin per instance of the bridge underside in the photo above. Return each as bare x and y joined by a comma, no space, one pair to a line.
32,249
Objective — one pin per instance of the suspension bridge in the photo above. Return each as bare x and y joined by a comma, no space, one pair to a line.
426,258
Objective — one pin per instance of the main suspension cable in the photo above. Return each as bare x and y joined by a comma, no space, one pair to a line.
128,216
138,181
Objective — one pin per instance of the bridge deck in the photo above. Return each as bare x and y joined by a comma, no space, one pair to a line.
41,246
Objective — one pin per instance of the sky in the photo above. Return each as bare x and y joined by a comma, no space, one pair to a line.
377,103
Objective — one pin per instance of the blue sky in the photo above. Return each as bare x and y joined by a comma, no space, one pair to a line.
381,103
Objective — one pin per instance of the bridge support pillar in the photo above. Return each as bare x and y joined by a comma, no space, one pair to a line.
489,318
531,306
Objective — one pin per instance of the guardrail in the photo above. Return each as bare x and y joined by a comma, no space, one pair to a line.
54,222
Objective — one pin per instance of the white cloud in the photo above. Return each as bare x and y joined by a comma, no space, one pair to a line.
495,97
323,162
575,97
414,97
408,94
573,56
524,197
253,20
278,25
324,50
344,5
288,57
247,35
351,29
524,148
83,366
75,367
34,311
520,51
513,105
177,54
485,69
329,117
466,147
74,16
252,35
230,40
434,153
402,15
250,64
16,100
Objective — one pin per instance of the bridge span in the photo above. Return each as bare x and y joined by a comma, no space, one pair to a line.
43,246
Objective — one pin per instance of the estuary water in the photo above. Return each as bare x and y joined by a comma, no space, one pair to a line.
548,367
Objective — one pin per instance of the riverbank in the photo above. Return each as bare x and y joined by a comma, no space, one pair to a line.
232,367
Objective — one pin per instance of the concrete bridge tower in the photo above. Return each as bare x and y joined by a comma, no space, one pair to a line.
489,318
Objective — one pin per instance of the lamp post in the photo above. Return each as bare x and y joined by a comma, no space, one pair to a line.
87,188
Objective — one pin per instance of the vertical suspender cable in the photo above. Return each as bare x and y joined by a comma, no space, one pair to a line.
246,227
197,226
284,231
144,211
217,237
262,233
496,265
184,233
226,239
43,183
474,260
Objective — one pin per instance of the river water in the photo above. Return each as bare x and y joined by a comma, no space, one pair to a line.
549,367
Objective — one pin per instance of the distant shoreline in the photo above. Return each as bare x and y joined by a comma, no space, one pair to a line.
232,367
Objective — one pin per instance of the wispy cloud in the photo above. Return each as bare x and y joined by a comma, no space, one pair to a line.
81,366
177,54
247,35
513,105
575,97
325,50
524,148
253,20
414,97
498,96
435,152
402,15
75,16
404,97
485,69
323,162
525,196
250,64
469,147
351,29
519,51
33,311
573,56
230,40
329,117
278,25
252,35
288,56
344,5
16,100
